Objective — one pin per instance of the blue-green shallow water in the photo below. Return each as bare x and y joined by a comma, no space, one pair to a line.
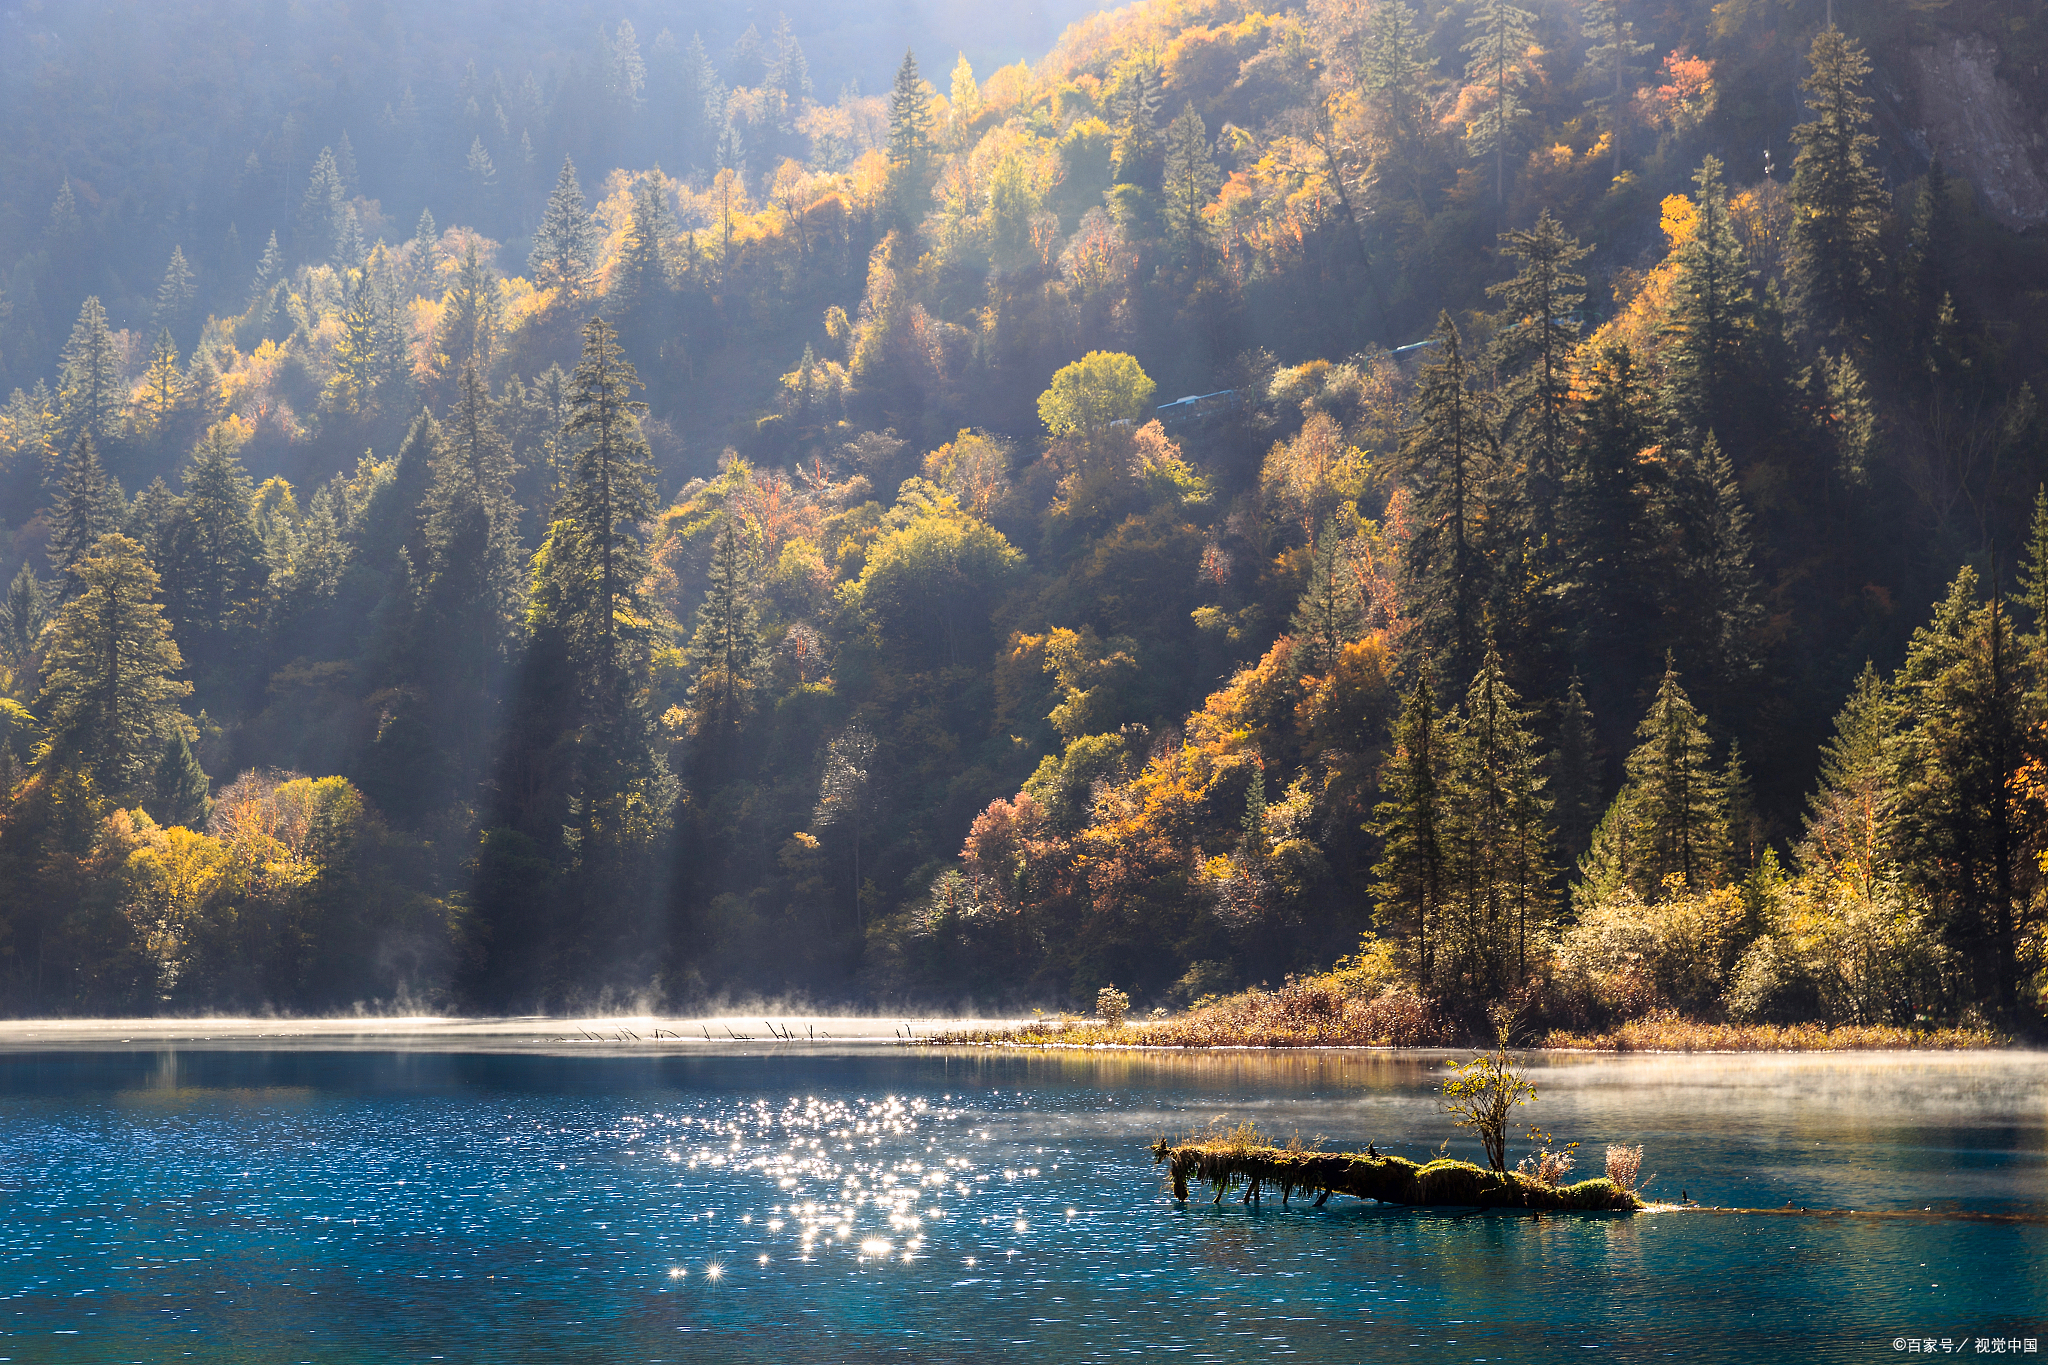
358,1206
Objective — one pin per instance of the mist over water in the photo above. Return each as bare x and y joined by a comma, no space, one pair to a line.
492,1201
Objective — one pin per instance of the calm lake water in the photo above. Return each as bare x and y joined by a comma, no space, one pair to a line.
377,1202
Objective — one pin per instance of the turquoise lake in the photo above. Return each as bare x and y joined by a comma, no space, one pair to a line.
340,1201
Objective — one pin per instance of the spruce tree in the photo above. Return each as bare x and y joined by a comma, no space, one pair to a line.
180,791
1612,54
1535,349
1849,813
1669,823
1191,179
640,280
163,385
1502,35
1575,782
24,611
174,295
1445,457
90,394
1838,198
320,210
215,581
472,596
910,118
149,521
1607,524
109,694
469,323
1328,615
1498,859
1969,700
1717,596
89,505
565,243
1710,326
1408,886
725,648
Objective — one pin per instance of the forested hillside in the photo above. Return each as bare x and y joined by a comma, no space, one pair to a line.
649,529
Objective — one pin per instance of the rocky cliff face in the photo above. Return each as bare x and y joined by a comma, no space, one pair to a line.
1981,129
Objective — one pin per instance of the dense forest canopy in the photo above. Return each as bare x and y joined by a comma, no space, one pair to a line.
504,512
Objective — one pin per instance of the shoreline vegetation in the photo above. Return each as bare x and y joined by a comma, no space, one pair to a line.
1321,1012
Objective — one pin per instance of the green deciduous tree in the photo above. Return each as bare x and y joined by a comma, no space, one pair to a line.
1095,391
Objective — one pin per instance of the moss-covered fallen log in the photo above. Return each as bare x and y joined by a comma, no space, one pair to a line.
1388,1179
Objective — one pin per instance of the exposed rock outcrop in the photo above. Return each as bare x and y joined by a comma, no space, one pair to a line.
1981,129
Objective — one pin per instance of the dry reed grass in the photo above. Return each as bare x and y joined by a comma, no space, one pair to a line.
1665,1031
1311,1012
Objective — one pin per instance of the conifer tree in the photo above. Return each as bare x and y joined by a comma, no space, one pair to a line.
1711,323
725,648
565,243
1849,814
1541,303
1612,53
471,599
109,694
1607,523
1444,457
1408,886
1931,255
174,295
1330,607
89,505
1191,178
788,70
469,324
163,385
1717,598
90,395
640,281
1575,774
180,790
1137,102
1964,843
1838,198
349,248
149,521
1670,819
1497,840
345,164
320,210
216,576
372,373
24,611
1502,36
910,117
